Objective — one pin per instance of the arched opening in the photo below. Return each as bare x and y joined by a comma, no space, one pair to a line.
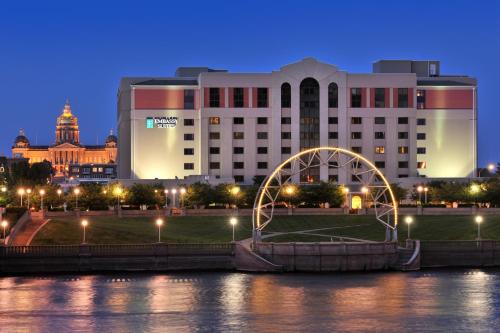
333,95
286,95
356,202
309,124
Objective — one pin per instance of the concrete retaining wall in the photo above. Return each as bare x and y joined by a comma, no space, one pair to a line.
319,257
459,253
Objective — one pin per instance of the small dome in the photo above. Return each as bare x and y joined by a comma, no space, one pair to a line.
111,138
21,139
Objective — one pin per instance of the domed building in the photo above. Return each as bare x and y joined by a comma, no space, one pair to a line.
67,154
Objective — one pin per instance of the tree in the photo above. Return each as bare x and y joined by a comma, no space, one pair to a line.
322,193
199,194
92,197
143,194
400,193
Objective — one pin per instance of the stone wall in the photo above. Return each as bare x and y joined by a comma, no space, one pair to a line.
459,253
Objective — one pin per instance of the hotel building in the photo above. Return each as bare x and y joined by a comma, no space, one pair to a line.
405,116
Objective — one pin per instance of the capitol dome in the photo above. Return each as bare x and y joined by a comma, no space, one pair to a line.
21,139
111,140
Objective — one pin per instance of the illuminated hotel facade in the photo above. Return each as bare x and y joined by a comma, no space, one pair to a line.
408,119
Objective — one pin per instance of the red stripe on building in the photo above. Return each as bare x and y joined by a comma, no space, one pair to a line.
387,97
206,97
222,97
449,99
245,97
395,98
159,98
230,91
411,98
363,97
254,97
372,97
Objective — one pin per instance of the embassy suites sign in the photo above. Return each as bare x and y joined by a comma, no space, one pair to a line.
161,122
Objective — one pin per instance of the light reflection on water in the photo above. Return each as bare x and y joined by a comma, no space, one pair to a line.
441,301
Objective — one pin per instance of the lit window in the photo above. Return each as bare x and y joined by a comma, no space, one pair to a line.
380,150
421,165
403,149
214,120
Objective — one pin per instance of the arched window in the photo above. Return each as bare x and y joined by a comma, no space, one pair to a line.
333,95
309,124
286,95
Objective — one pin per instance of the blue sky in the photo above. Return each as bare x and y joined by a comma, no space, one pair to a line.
53,50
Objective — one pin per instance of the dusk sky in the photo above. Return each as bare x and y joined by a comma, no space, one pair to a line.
50,51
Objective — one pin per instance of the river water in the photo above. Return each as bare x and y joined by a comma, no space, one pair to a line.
440,301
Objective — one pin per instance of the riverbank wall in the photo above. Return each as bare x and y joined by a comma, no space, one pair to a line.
468,253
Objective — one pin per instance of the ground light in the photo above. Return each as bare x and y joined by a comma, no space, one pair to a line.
234,222
85,223
420,189
183,192
21,192
159,223
166,198
4,189
479,220
174,191
5,224
76,191
409,221
28,191
42,193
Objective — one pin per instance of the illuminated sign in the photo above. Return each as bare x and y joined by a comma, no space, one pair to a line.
161,122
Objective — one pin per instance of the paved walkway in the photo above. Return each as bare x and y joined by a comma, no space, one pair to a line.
26,235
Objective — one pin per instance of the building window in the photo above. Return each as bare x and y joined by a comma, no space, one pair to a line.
356,135
356,120
238,121
403,176
214,120
262,97
421,122
355,179
357,150
214,165
188,166
379,135
333,135
214,100
262,150
238,101
188,122
420,136
238,165
402,135
402,97
333,95
333,178
420,99
379,150
261,165
262,135
286,95
355,97
214,150
403,149
261,120
403,164
333,120
402,120
421,165
238,150
380,164
239,179
188,99
238,135
379,120
286,120
286,135
380,97
188,137
214,136
421,150
286,150
188,151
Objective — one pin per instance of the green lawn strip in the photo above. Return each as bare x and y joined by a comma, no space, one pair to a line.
212,229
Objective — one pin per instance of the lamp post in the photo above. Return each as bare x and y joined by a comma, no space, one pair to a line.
346,192
408,221
174,191
183,192
42,193
159,223
118,192
233,222
420,189
28,191
84,225
4,226
289,191
3,189
364,190
426,189
490,167
479,220
21,192
166,198
76,192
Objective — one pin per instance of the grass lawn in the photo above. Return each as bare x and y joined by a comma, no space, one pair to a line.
200,229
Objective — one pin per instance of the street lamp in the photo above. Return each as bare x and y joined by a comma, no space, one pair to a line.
42,193
233,222
29,192
289,191
76,191
408,221
174,191
3,189
85,223
479,220
346,192
364,190
420,189
183,192
426,189
159,223
4,226
21,192
118,193
166,198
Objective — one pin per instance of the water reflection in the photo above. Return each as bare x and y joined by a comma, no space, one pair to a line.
465,300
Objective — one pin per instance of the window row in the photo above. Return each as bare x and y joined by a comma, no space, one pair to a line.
288,120
380,97
238,97
306,135
237,165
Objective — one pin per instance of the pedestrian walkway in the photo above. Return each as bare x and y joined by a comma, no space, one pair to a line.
26,235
